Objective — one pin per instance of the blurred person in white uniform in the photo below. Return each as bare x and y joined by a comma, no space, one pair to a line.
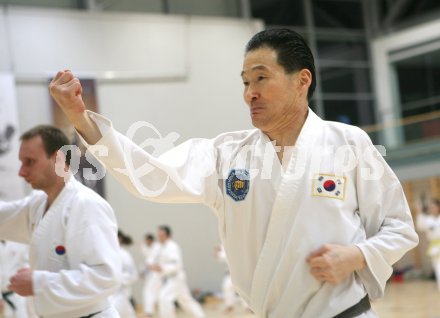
230,297
74,254
121,299
174,286
152,279
311,216
429,223
13,256
228,291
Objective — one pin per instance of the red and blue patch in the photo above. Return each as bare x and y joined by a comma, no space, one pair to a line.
60,250
329,185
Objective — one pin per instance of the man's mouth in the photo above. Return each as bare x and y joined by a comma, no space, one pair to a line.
255,109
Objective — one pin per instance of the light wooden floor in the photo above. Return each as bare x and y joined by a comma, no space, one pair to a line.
418,299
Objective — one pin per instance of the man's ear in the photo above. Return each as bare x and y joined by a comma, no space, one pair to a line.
58,155
305,78
59,160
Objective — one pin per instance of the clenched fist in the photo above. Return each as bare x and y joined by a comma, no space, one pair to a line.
21,282
66,90
334,263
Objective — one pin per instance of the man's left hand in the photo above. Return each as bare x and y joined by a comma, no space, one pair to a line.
334,263
21,282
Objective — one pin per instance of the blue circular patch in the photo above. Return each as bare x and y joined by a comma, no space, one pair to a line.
237,184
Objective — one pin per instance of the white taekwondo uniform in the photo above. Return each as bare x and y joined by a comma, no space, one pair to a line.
175,287
74,252
13,256
121,299
430,224
271,217
229,295
152,280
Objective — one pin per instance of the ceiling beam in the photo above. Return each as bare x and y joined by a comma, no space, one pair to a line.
396,10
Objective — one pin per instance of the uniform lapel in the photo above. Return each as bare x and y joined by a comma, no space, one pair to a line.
44,224
286,203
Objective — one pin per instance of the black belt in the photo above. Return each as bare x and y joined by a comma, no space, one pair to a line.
362,306
7,300
91,315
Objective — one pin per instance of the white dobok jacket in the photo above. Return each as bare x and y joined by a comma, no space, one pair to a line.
336,188
149,253
129,273
169,258
74,251
13,256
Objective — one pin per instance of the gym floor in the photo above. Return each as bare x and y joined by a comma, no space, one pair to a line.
414,299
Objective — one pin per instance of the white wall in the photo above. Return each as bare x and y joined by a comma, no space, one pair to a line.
193,88
105,45
5,62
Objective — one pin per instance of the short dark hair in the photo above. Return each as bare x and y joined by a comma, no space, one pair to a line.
166,229
52,137
124,239
149,237
293,53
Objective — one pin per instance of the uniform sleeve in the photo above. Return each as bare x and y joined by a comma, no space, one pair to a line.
184,174
94,261
15,219
386,217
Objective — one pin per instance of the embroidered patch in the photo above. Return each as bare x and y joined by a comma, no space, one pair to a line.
60,250
328,185
237,184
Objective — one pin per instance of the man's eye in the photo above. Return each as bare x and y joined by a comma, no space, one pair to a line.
246,83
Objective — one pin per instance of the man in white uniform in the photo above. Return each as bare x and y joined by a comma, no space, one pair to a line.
229,296
121,299
310,215
74,253
430,224
152,280
13,256
174,287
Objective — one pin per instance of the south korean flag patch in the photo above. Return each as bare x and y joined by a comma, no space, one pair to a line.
330,186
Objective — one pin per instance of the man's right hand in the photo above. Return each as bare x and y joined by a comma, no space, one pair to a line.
66,90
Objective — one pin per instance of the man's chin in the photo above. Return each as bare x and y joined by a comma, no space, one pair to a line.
34,186
256,123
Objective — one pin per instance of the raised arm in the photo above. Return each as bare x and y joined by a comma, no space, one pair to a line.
184,174
66,90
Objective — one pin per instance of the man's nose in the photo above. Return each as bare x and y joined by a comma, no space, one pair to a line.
22,171
251,94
